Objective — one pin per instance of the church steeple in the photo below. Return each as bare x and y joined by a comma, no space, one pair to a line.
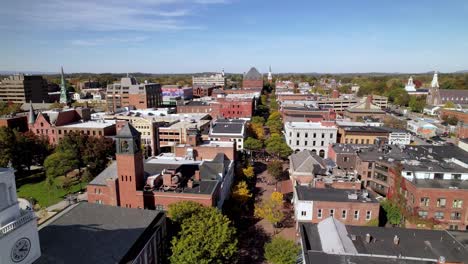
63,90
32,115
270,76
435,81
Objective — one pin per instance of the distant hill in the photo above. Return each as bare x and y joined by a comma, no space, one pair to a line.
464,71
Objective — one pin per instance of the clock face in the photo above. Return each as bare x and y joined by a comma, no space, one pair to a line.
20,249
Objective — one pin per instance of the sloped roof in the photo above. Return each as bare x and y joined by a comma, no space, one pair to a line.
363,107
307,162
253,74
128,131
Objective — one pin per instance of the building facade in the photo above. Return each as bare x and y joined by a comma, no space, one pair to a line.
128,92
212,80
21,89
315,137
253,79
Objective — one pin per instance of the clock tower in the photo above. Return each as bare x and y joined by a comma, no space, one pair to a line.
130,168
19,239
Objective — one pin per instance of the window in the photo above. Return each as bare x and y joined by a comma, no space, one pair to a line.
306,135
332,212
331,135
303,213
313,143
369,174
290,134
457,203
305,143
298,134
438,176
367,141
456,176
439,215
323,135
345,159
368,215
453,227
441,202
455,216
424,201
408,173
322,143
422,214
315,135
319,213
297,142
343,214
99,201
356,214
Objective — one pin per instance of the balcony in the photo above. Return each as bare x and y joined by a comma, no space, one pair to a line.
23,219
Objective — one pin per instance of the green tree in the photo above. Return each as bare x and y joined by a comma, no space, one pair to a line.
275,169
59,164
417,104
274,122
281,251
253,144
206,237
276,146
7,146
258,120
392,212
449,104
183,210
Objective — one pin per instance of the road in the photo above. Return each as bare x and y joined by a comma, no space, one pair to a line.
64,203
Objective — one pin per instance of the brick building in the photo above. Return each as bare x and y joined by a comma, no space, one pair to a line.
351,207
130,181
229,130
203,90
360,134
55,124
460,115
206,107
19,123
128,92
253,79
304,166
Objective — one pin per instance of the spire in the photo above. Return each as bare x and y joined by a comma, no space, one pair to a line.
63,90
270,77
32,115
222,72
435,81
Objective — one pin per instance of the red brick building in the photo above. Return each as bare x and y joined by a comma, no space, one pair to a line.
203,90
253,79
460,115
130,93
234,108
350,206
201,174
212,108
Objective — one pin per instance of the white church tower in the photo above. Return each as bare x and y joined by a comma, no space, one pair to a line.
19,239
410,87
435,81
270,76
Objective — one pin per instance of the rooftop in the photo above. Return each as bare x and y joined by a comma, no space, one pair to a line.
307,162
306,193
93,233
253,74
228,126
91,124
331,240
364,129
308,125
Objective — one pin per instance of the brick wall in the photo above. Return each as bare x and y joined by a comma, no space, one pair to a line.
18,122
461,116
349,207
233,109
249,84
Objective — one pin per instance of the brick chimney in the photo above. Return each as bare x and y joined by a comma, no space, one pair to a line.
119,124
197,176
335,94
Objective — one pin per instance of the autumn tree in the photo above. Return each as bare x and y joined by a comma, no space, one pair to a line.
241,193
281,251
271,209
206,237
275,169
449,104
274,122
248,172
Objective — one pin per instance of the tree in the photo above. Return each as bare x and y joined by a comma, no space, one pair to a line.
417,104
206,237
281,251
275,168
274,122
7,146
183,210
392,212
449,104
241,193
253,144
277,147
270,209
59,164
258,120
249,172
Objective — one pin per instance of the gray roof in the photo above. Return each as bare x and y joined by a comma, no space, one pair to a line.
93,233
413,243
224,126
307,162
108,173
128,131
253,74
306,193
440,184
370,129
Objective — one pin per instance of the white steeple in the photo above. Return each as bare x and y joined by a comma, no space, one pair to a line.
270,77
410,87
222,72
435,81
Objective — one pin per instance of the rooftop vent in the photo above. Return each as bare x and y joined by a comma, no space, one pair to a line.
352,196
396,240
368,238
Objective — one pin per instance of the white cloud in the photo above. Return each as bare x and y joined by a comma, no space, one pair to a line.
103,15
107,41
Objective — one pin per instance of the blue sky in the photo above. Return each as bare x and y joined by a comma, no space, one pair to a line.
178,36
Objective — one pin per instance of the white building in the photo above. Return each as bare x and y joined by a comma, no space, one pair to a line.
410,86
229,130
421,128
310,136
212,80
19,240
398,136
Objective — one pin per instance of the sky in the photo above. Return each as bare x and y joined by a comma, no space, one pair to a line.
186,36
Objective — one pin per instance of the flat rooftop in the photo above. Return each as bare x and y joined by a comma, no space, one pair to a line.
306,193
91,124
308,125
93,233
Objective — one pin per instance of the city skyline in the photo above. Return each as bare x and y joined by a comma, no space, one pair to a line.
177,36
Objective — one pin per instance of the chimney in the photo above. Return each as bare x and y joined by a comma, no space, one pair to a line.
368,238
441,260
167,178
119,124
368,101
190,184
335,94
197,175
396,240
